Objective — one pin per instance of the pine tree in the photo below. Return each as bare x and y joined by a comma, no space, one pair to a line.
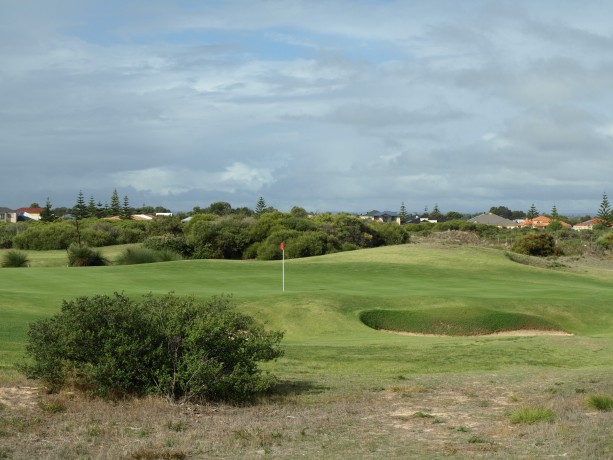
91,207
554,213
404,216
100,210
115,205
47,214
80,209
436,214
260,207
532,212
126,212
604,212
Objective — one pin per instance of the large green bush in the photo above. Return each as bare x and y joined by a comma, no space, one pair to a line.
171,346
537,244
169,242
46,235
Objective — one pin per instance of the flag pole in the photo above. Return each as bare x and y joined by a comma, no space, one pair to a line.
282,246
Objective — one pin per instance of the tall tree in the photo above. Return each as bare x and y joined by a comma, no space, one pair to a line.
436,214
604,212
502,211
126,211
532,212
80,209
260,207
47,214
91,207
404,215
554,213
115,205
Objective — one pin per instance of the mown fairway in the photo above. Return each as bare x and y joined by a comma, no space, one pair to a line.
324,296
332,358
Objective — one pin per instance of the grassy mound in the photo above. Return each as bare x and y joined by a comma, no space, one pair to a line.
453,321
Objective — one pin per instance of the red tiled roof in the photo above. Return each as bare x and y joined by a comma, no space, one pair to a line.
30,210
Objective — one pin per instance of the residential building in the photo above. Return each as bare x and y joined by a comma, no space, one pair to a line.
7,215
492,219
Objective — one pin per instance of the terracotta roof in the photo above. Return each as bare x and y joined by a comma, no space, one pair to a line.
541,222
30,210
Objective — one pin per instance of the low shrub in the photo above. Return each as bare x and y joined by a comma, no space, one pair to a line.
531,415
84,256
141,255
169,242
605,242
171,346
15,259
600,402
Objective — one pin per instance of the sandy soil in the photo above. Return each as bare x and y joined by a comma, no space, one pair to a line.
518,333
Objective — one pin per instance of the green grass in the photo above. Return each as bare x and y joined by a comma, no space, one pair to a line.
325,296
600,402
531,415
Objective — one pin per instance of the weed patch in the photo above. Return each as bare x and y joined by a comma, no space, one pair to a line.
531,415
600,402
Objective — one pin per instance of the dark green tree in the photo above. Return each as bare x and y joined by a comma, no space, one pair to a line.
532,212
554,213
115,205
260,207
219,208
501,211
404,215
604,212
453,215
80,209
126,211
436,214
92,211
47,214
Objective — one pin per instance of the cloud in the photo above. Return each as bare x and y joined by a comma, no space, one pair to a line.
172,180
327,105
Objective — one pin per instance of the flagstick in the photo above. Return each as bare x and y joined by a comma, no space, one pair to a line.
283,270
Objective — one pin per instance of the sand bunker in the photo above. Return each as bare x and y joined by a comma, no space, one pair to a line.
518,333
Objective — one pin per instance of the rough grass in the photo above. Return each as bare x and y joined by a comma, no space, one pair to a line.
15,259
427,416
532,415
600,402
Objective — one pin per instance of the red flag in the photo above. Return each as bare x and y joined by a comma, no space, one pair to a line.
282,245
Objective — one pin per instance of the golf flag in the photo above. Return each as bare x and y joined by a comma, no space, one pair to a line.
282,246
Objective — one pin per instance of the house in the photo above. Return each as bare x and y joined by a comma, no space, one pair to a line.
385,216
28,213
588,224
541,222
422,220
133,217
492,219
7,215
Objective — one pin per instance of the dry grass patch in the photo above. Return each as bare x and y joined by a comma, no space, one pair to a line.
462,415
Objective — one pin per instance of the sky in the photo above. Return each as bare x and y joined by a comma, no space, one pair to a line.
332,105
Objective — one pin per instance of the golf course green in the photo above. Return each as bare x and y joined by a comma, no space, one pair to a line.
327,301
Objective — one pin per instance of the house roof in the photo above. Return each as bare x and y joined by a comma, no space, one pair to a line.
30,210
7,210
541,222
492,219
